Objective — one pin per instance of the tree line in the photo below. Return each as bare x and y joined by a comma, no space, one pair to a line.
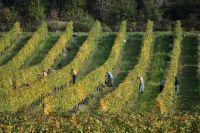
111,13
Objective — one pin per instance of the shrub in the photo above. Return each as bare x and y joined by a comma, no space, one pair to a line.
54,15
7,16
56,25
84,22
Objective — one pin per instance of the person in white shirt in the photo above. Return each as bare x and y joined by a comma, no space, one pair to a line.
141,86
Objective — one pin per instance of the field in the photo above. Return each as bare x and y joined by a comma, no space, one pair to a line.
32,102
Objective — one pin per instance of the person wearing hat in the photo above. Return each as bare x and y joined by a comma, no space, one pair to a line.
162,85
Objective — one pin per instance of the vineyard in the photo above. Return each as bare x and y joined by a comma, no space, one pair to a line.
34,102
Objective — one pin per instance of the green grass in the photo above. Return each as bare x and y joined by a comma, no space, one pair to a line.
157,70
188,100
129,58
42,50
74,45
14,49
98,57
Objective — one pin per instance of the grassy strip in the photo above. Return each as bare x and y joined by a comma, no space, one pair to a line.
75,44
115,101
24,97
99,56
188,101
68,98
32,74
42,50
8,38
165,99
155,75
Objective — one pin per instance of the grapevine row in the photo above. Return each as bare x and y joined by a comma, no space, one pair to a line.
31,74
7,39
165,99
115,101
24,97
68,98
26,51
6,71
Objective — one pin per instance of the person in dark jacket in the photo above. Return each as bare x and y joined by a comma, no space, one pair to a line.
109,79
177,85
74,75
162,85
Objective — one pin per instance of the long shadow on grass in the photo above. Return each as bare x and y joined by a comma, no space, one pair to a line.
190,87
18,46
156,73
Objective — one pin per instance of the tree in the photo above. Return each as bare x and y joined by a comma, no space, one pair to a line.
74,10
100,9
112,11
152,9
36,10
7,16
124,9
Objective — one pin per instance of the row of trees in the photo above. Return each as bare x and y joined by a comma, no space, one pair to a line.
110,12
